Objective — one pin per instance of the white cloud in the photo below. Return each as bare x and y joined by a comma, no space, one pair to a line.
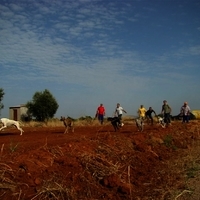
195,50
83,44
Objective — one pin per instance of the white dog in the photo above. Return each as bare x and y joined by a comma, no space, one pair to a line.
8,122
161,121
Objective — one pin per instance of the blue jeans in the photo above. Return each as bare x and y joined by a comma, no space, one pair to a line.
167,119
185,118
100,118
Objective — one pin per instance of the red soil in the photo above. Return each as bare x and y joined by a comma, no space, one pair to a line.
94,162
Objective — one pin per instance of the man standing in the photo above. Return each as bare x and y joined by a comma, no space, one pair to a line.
119,111
100,113
149,114
185,112
166,110
141,111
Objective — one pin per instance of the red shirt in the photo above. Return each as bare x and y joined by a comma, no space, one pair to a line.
101,110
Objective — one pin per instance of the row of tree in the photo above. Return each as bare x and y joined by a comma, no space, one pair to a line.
43,105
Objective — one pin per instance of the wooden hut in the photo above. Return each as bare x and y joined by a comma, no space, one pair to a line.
15,112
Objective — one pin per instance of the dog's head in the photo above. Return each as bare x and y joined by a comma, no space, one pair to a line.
110,119
114,121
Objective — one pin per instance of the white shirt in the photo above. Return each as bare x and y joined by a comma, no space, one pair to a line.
185,110
119,110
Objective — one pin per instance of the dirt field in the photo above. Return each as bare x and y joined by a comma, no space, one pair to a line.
96,163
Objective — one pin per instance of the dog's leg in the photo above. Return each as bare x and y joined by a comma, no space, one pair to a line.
18,127
66,130
142,127
3,128
162,123
113,124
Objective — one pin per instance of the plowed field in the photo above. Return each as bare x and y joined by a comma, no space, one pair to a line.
95,162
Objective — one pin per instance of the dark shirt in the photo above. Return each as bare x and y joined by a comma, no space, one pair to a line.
166,108
149,112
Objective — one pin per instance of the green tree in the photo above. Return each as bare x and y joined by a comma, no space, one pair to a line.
43,106
1,98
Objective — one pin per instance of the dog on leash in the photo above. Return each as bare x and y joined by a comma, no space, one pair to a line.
140,124
161,121
115,122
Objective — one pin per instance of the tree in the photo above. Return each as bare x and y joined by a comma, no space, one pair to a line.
1,98
43,106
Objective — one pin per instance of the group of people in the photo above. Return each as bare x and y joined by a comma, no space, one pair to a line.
147,114
166,111
101,112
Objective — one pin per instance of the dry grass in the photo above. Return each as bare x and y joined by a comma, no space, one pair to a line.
187,167
117,158
7,181
54,189
58,123
98,166
78,122
196,113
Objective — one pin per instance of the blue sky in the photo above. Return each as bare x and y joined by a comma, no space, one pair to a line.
87,52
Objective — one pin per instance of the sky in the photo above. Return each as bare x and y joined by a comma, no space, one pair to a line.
87,52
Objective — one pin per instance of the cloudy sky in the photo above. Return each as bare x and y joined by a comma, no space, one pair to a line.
87,52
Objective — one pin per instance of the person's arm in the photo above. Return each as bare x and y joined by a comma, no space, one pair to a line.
162,110
170,109
115,113
189,111
181,110
97,111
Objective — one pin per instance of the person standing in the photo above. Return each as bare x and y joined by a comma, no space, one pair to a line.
185,112
119,111
141,111
149,114
166,111
100,113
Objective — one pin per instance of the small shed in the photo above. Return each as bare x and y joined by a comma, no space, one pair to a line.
15,112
